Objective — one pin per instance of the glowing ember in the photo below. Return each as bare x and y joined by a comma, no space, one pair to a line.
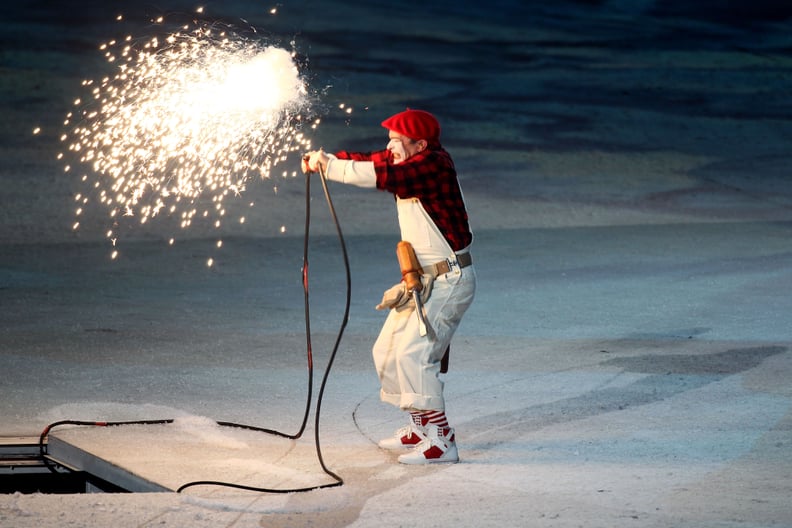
195,115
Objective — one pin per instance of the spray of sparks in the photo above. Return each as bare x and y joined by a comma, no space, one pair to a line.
186,122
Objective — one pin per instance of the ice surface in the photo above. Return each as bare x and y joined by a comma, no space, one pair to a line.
625,363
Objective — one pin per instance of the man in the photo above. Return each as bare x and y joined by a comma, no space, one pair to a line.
433,219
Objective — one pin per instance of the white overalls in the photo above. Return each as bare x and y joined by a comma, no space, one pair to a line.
408,365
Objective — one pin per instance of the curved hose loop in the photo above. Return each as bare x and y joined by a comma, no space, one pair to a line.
308,344
344,321
337,480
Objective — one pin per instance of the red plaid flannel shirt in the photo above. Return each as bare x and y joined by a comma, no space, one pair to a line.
429,176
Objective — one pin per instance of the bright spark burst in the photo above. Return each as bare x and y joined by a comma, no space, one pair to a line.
185,120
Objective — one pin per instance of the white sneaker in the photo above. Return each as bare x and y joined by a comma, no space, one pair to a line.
408,436
436,447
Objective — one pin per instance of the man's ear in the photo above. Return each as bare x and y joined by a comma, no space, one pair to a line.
422,144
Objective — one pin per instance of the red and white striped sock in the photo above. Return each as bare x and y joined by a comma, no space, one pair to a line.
438,418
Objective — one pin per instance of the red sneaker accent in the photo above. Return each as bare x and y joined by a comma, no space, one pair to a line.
411,440
438,446
407,437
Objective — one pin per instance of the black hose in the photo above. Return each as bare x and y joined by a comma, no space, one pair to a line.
337,480
344,321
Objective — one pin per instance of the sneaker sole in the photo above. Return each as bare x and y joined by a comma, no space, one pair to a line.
449,457
395,447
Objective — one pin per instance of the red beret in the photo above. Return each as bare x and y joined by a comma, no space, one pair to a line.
415,124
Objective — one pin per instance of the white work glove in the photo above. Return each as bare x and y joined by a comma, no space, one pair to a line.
394,297
314,161
397,297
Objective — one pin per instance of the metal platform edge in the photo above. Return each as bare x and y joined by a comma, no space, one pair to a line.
19,445
19,454
71,456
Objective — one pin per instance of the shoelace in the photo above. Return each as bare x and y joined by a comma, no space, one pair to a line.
404,431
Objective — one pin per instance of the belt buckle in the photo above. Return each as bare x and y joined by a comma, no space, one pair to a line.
453,264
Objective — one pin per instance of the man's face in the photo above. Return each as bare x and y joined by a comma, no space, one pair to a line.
402,147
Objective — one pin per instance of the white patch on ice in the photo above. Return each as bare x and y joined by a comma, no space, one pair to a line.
109,412
392,473
315,501
202,429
